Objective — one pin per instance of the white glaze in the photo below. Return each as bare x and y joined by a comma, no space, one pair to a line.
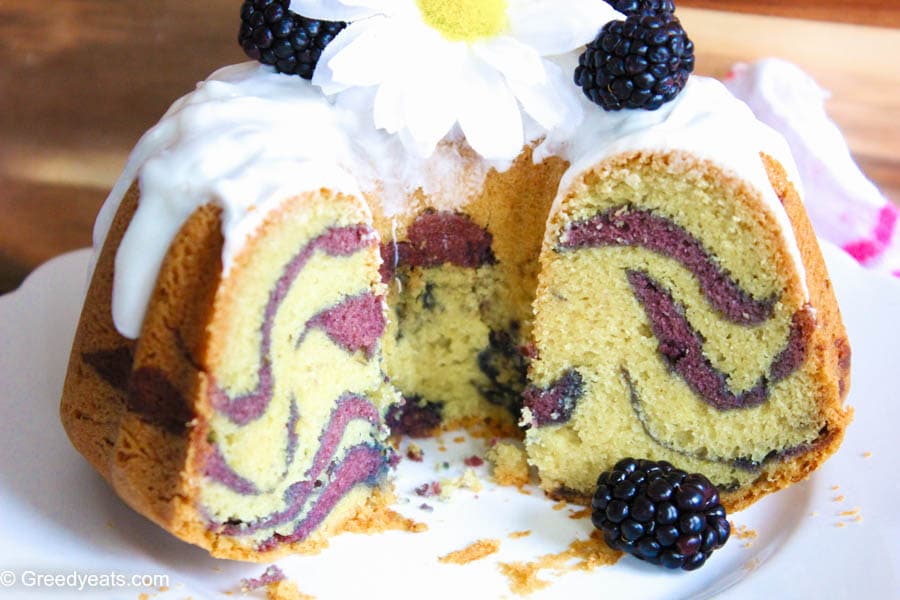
704,120
247,139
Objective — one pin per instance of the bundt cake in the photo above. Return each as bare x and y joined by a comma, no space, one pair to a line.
281,283
706,321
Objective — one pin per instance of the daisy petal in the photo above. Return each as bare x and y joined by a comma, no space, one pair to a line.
336,10
426,100
552,103
430,107
370,57
558,26
516,61
489,114
323,75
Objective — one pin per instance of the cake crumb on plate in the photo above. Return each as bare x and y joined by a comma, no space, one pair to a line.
473,461
273,574
580,514
471,553
414,452
581,555
510,464
276,585
743,532
376,517
286,590
468,481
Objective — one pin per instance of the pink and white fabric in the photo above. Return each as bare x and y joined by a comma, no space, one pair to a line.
845,207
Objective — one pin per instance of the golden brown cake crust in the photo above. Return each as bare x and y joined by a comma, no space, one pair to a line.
95,390
145,388
829,349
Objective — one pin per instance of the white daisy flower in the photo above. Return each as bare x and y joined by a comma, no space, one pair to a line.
435,64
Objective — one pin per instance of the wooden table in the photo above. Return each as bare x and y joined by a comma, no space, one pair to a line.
80,82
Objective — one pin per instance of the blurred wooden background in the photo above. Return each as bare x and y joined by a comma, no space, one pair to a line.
81,80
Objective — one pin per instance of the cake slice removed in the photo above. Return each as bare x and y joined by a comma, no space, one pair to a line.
248,416
677,320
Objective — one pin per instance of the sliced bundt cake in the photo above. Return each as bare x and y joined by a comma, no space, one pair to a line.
249,414
683,311
281,279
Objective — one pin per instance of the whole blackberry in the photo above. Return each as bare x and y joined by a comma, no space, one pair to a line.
642,7
659,514
642,62
273,35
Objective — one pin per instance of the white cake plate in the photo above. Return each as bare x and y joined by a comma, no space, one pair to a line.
59,518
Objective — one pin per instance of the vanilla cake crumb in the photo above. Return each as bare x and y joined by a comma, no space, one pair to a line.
580,514
414,452
510,464
742,532
286,590
581,555
472,552
468,481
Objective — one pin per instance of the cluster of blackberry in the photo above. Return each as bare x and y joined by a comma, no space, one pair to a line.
273,35
641,62
659,514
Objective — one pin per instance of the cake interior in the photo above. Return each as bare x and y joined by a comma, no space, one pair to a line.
691,336
461,284
297,396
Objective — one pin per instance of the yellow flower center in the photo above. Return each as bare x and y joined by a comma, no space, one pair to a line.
465,20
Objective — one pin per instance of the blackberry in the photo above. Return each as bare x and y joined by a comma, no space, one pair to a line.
642,62
642,7
273,35
659,514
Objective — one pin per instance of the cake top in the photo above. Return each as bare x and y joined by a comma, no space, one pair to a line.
377,119
483,67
